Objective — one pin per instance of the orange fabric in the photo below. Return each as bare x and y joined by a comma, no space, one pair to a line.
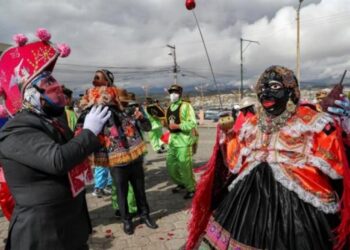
232,151
331,149
241,120
312,180
288,151
104,95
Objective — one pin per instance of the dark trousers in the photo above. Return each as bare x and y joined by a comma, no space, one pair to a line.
135,174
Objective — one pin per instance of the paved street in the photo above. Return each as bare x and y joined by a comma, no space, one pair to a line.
169,210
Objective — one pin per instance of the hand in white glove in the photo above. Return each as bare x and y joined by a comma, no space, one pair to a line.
343,111
96,119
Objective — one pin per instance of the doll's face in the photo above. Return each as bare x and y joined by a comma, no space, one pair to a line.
99,80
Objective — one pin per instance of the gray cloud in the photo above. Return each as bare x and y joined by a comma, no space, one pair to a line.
130,37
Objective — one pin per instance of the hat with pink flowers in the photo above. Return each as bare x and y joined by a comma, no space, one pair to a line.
20,64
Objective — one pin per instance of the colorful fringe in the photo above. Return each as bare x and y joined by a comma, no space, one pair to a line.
115,159
201,204
343,230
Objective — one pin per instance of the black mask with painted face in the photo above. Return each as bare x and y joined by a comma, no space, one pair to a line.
52,110
274,97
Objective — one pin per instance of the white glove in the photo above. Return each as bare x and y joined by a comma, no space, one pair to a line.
96,119
343,111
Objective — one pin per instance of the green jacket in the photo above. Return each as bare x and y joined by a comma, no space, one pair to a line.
188,135
155,122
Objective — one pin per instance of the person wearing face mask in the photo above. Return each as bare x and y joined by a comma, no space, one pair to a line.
44,165
182,124
286,185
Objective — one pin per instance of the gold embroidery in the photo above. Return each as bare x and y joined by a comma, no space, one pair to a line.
326,153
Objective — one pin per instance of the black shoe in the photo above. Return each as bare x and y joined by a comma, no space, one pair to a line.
189,195
149,222
134,214
159,151
117,214
128,227
177,189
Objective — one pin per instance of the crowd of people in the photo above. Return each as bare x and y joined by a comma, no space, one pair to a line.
278,177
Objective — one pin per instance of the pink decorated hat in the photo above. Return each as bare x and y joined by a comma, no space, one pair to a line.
19,65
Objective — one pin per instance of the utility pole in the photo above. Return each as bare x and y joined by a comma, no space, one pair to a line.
298,42
145,89
249,42
241,88
173,53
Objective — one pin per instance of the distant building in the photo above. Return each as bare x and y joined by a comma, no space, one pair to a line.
3,47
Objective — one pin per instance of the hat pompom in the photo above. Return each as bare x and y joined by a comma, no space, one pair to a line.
3,112
20,39
43,34
64,49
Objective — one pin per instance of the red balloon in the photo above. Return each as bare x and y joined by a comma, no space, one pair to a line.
190,4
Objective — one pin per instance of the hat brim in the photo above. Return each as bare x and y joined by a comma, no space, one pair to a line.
246,106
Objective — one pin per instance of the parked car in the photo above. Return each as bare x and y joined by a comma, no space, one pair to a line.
211,115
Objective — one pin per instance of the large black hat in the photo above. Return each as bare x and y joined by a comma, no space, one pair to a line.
175,88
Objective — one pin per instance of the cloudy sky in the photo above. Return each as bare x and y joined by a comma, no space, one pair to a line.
129,37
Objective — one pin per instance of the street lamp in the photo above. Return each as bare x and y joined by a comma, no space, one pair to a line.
173,53
249,42
298,41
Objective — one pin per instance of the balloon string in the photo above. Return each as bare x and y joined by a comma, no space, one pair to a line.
206,52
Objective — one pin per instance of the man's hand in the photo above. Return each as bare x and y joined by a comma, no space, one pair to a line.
138,114
174,126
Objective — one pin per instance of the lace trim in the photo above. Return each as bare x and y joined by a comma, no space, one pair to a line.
314,161
241,176
329,208
243,152
247,129
324,167
298,127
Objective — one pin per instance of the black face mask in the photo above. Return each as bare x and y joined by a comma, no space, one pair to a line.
279,98
52,110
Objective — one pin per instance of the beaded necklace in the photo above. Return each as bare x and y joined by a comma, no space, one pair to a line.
270,125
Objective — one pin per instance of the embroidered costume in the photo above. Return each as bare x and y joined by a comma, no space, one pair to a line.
123,146
280,182
121,139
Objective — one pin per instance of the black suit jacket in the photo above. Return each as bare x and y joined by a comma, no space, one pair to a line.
36,157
